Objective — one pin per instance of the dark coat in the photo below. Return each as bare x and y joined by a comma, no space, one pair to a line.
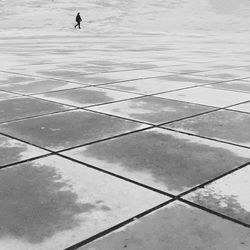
78,18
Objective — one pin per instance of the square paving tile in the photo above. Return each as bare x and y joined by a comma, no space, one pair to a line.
67,129
245,107
166,160
243,86
23,107
86,96
150,86
53,203
35,87
228,195
13,151
225,125
152,109
5,95
176,226
207,96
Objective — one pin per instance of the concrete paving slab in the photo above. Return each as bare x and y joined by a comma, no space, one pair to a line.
152,109
12,151
176,226
53,203
229,195
68,129
206,96
35,87
243,86
86,96
224,125
242,107
150,86
162,159
22,107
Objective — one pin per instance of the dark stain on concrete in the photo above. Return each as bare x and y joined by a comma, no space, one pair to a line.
225,125
176,227
83,96
10,152
34,203
227,205
68,129
178,163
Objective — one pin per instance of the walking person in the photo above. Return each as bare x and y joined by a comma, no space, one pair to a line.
78,20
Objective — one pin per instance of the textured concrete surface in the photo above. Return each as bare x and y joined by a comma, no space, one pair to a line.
135,141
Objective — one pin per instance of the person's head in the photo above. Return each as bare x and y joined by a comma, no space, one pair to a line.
78,13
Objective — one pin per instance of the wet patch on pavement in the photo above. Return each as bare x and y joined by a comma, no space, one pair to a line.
225,125
86,96
151,109
162,159
53,203
14,151
17,108
67,129
228,196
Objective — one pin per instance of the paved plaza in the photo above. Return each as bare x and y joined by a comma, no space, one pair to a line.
127,141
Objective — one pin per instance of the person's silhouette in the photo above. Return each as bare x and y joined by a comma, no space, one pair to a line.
78,20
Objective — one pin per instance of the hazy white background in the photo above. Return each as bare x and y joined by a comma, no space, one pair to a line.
105,16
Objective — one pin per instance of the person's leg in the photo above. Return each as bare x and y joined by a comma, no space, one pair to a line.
79,25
